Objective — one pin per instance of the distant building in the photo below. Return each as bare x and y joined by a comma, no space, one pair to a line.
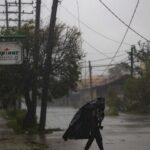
83,95
96,81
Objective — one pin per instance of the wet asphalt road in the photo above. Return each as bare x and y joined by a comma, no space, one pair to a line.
124,132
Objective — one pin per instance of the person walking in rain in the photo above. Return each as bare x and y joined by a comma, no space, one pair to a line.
87,122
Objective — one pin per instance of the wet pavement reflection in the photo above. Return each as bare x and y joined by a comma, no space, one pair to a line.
123,132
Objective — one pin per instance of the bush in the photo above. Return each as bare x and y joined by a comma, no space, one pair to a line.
137,93
15,120
3,113
15,126
112,102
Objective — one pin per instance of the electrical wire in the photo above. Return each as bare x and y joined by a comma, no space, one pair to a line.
83,39
91,29
106,58
104,65
124,35
90,45
116,16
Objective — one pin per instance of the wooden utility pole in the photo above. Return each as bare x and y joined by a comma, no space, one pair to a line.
19,14
132,61
36,55
85,75
14,4
91,84
7,24
48,66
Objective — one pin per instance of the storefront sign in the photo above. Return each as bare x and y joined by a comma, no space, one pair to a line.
10,53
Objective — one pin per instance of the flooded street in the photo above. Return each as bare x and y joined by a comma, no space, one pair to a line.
124,132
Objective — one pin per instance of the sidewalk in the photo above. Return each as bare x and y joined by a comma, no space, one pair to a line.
120,133
8,140
4,130
11,141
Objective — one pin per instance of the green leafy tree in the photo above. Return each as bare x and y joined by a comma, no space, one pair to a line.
65,60
119,70
137,89
65,65
141,58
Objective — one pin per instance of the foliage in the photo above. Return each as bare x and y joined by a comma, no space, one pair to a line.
141,58
15,119
137,89
65,60
66,56
2,113
18,81
12,76
137,93
10,85
112,102
119,70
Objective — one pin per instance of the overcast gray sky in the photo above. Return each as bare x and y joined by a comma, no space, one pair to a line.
93,14
97,17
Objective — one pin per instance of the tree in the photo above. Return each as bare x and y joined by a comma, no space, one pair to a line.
65,60
65,65
137,93
137,89
119,70
10,87
143,57
61,65
23,74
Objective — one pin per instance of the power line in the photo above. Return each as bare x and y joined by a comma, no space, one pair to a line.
105,65
19,12
104,54
125,60
116,16
106,58
124,35
87,26
95,49
89,44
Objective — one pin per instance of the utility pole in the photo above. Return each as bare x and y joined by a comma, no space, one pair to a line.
48,66
90,75
7,24
14,4
85,73
132,60
19,14
36,55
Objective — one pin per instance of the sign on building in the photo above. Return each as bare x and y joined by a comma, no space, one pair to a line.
10,53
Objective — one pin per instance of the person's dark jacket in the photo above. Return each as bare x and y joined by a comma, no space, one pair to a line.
80,126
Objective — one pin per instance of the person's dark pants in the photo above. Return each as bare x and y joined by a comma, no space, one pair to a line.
98,137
